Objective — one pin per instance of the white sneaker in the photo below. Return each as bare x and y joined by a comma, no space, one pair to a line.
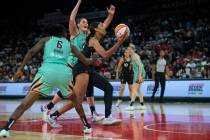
110,121
118,103
53,123
117,109
132,114
87,130
130,108
140,107
95,118
4,133
45,112
43,108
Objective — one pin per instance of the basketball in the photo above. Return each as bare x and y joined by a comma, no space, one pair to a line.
121,29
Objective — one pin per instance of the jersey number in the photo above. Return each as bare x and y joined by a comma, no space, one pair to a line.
59,44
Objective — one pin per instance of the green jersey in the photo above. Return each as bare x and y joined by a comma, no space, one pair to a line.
54,72
79,42
56,50
136,67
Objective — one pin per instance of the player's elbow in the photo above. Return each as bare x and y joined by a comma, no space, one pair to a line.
30,53
105,56
71,20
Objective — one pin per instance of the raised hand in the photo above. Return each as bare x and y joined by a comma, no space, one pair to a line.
122,38
79,1
18,75
140,80
111,9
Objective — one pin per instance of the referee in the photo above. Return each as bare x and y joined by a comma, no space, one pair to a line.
159,69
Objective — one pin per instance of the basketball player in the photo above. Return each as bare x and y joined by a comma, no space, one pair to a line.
54,73
139,75
126,75
80,71
78,38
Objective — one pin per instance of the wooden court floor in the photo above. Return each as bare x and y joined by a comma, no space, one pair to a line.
169,121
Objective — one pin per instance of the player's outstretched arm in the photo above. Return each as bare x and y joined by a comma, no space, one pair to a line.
106,53
34,50
72,23
108,20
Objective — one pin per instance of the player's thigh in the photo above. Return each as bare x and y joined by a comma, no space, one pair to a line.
81,84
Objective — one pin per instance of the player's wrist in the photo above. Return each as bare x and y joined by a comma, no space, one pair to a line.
111,14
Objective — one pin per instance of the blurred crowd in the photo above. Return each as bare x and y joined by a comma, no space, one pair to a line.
185,40
13,49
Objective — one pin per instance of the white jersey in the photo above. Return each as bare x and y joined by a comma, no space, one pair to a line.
160,65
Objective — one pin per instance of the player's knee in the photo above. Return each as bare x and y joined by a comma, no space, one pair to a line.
74,99
80,99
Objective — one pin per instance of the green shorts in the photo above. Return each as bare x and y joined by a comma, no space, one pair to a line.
51,76
136,76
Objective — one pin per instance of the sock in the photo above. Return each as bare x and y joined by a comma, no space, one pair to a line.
50,105
119,98
142,103
132,102
93,110
9,124
60,94
85,122
55,115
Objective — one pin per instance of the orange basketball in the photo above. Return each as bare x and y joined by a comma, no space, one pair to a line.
121,29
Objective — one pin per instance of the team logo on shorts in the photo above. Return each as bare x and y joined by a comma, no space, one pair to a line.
196,88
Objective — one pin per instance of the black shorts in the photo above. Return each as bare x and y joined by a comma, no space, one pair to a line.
126,79
81,68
